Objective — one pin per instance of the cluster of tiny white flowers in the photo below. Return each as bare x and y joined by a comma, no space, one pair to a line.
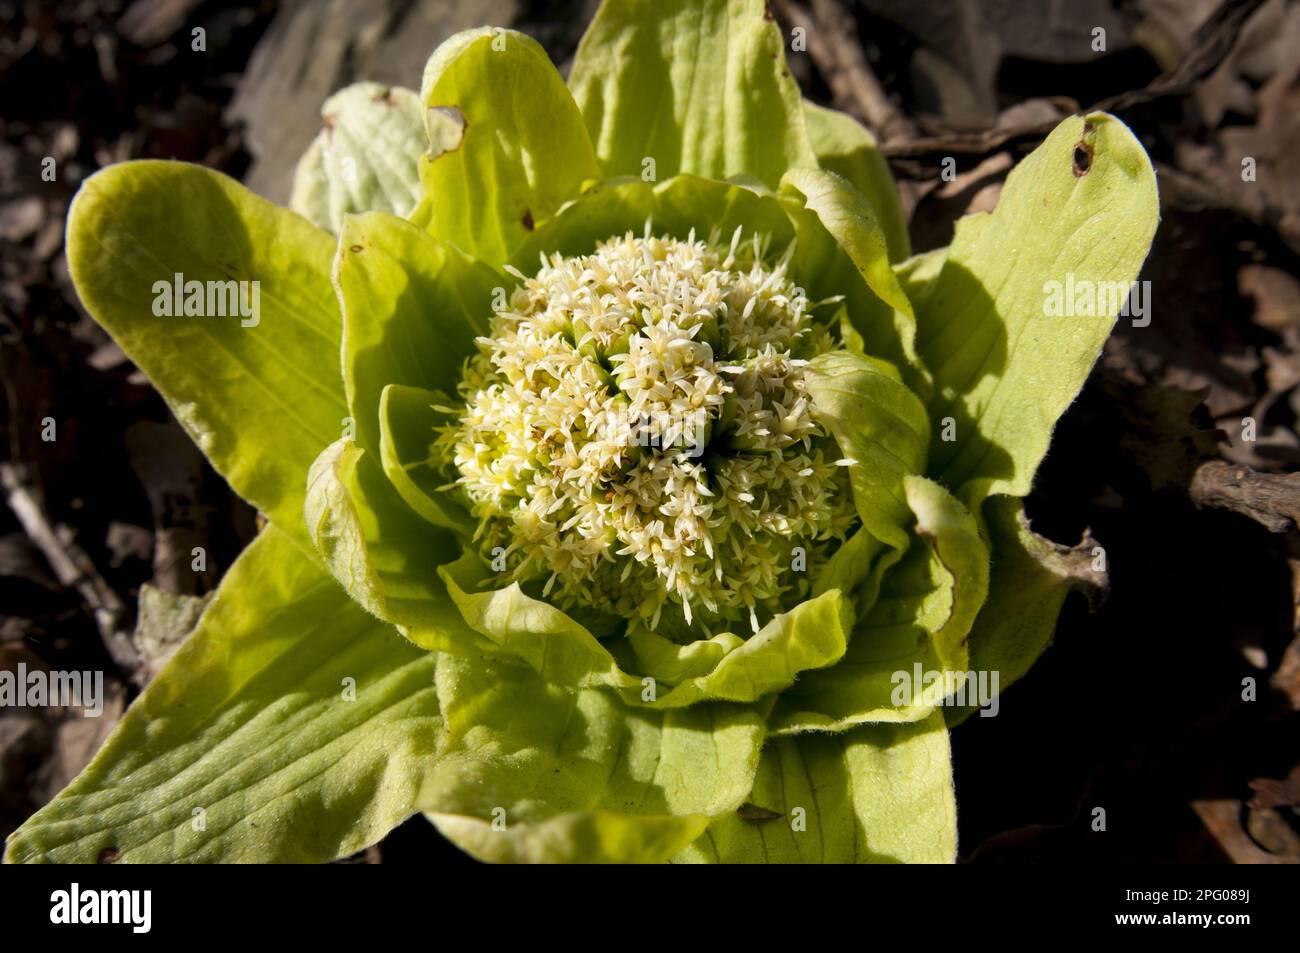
636,433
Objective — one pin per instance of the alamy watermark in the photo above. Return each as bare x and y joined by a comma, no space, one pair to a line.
130,907
208,299
946,689
1082,298
660,429
687,431
39,689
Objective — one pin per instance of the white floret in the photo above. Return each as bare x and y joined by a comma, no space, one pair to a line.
580,445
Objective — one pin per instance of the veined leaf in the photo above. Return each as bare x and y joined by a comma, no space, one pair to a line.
365,158
876,794
696,86
845,147
412,307
576,775
909,651
955,543
895,636
881,426
670,663
289,727
676,207
375,546
1079,211
407,419
563,652
919,274
842,250
258,394
507,144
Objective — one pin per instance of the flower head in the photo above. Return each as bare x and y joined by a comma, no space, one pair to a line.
637,431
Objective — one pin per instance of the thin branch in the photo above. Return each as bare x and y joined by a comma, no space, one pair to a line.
1270,499
70,563
833,44
913,157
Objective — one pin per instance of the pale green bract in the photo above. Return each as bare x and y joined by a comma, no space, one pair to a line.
365,660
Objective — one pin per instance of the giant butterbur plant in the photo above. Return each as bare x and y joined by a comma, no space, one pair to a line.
621,469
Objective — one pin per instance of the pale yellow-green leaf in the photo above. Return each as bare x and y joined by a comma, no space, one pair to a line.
702,86
365,158
533,771
290,727
260,395
1081,208
507,144
845,146
876,794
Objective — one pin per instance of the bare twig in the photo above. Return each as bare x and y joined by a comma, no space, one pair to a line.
1270,499
834,46
920,157
1211,44
70,564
